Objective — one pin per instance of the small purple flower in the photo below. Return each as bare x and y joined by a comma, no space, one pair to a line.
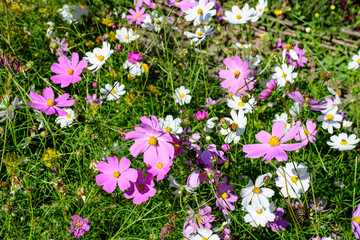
201,175
224,198
312,67
271,85
210,102
182,111
301,59
211,154
225,147
63,46
78,226
117,48
199,219
48,104
135,56
312,104
219,12
142,189
319,205
278,224
92,100
307,133
279,42
201,115
226,235
94,84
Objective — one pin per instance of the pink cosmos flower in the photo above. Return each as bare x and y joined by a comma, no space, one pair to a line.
135,56
279,42
201,115
212,155
78,226
224,198
93,100
115,173
142,189
271,85
199,219
47,103
184,5
278,224
63,46
236,74
307,133
137,16
301,59
272,145
201,175
159,168
310,103
319,205
151,140
356,221
147,2
68,72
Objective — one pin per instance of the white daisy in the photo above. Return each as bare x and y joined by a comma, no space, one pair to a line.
330,119
338,183
200,34
171,125
297,179
355,64
236,103
203,233
150,21
259,216
259,10
237,15
180,188
135,69
200,13
241,46
253,62
99,56
284,74
288,121
259,197
235,127
343,142
67,120
182,96
126,36
113,93
210,124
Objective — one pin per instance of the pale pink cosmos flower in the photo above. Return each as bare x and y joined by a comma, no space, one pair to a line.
159,168
272,145
68,72
142,189
151,140
78,226
199,219
115,172
93,100
147,2
224,198
307,133
137,16
236,74
48,104
184,5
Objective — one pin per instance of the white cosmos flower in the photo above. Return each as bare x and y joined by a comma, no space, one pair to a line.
259,10
135,69
66,13
241,46
210,124
338,183
126,36
67,120
7,109
347,124
98,56
355,64
200,34
343,141
200,13
50,32
253,61
237,15
113,93
284,74
171,125
236,103
258,196
203,233
288,121
297,179
152,22
259,216
330,119
182,96
292,53
236,127
175,184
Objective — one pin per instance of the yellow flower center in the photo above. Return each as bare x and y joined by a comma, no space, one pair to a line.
152,21
343,142
199,33
283,75
159,165
306,132
256,190
126,37
82,6
168,129
68,115
50,103
241,104
274,141
153,141
260,10
204,239
237,74
259,211
199,11
288,47
116,174
137,15
358,61
253,62
307,99
224,195
234,126
357,219
78,224
70,72
101,57
199,218
182,95
113,91
330,117
238,16
294,179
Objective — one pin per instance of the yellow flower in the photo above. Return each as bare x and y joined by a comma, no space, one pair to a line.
113,74
278,12
129,98
36,54
15,6
108,22
90,44
332,7
50,156
42,10
317,15
262,36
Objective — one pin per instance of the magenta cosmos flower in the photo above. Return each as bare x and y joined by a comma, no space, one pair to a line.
137,16
78,226
48,104
93,100
307,133
184,5
224,198
235,75
272,145
115,173
135,56
271,85
152,141
201,115
147,2
142,189
356,221
278,224
159,168
68,72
